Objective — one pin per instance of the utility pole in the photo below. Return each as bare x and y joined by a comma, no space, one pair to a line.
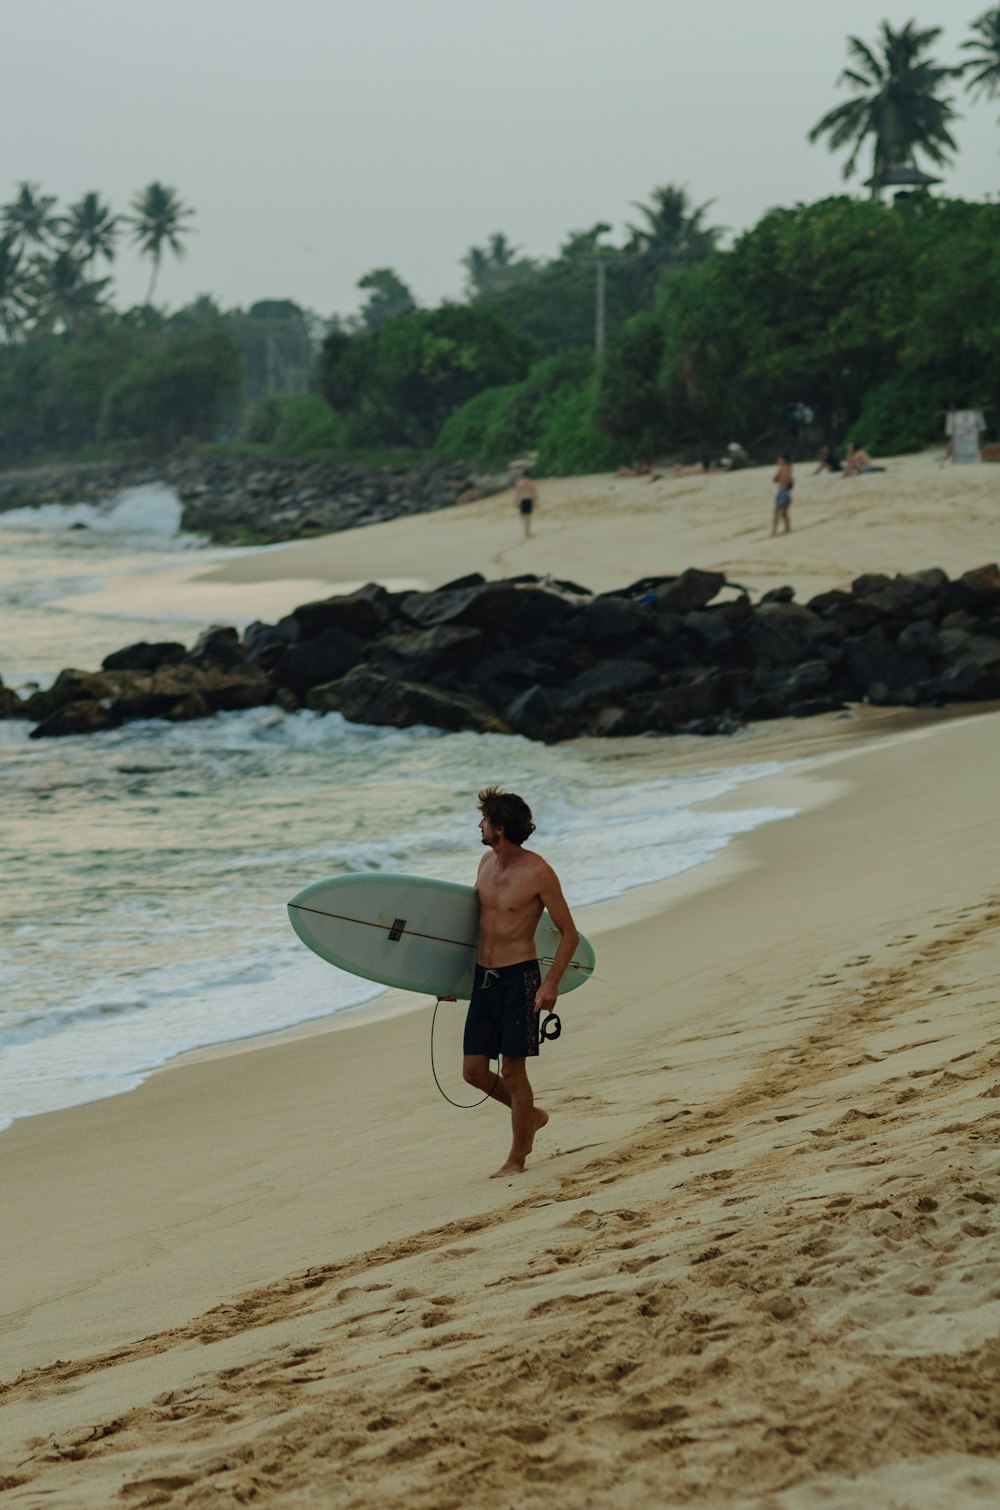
601,265
602,273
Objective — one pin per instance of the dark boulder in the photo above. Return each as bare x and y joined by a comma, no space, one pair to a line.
671,708
710,630
607,682
805,680
265,644
498,677
420,655
363,696
226,689
144,656
780,595
607,621
520,611
218,646
72,686
85,717
311,663
919,638
362,614
877,669
976,592
691,590
11,705
534,714
824,602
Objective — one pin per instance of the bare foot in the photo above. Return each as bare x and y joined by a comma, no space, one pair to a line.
512,1166
540,1120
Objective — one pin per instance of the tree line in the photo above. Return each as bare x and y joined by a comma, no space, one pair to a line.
849,311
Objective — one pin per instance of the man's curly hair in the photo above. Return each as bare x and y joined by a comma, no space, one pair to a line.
508,812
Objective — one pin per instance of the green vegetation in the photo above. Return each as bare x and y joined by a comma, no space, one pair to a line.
844,315
399,383
868,315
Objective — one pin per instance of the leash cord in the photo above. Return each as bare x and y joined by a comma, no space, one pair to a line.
465,1106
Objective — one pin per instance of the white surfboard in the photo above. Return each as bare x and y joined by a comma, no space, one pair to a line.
411,932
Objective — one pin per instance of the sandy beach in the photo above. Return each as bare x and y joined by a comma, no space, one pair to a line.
605,532
752,1261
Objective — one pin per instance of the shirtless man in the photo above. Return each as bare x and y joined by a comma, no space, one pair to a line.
785,478
509,996
525,497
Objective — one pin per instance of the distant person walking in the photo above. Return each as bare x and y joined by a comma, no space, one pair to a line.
525,499
785,478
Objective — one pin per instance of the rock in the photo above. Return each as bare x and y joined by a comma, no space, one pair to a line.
534,714
670,708
870,583
976,592
11,705
607,621
265,644
72,686
226,689
781,595
219,645
607,682
692,589
85,717
875,667
420,655
311,663
520,611
823,602
363,696
710,629
808,678
919,638
144,656
363,614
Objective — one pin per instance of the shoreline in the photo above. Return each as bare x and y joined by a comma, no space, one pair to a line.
799,788
745,1196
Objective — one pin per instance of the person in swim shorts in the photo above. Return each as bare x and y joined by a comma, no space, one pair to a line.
509,996
526,497
785,478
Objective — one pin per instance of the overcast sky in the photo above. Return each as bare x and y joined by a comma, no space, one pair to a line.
318,139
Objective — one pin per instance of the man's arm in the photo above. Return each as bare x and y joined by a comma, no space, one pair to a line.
551,894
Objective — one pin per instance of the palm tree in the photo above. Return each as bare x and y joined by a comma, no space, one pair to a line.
493,267
29,217
898,106
90,228
158,222
674,234
61,295
983,68
12,287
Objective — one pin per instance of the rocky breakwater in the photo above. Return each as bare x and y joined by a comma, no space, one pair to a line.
550,660
241,500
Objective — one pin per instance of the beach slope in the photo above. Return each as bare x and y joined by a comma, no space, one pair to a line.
752,1262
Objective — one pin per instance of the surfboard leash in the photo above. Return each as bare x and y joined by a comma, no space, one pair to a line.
549,1028
465,1106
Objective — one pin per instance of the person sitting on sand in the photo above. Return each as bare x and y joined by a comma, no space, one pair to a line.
525,499
641,468
785,478
829,461
508,995
858,461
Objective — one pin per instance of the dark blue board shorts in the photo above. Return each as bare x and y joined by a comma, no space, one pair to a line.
502,1017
